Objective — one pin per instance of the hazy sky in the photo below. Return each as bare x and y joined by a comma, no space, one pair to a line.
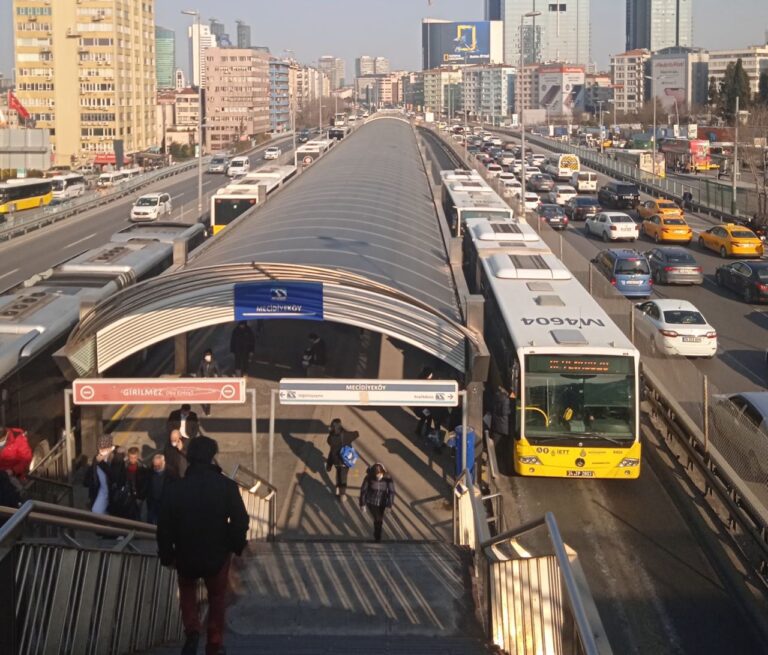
348,28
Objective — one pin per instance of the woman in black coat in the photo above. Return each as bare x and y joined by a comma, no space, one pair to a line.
338,437
377,495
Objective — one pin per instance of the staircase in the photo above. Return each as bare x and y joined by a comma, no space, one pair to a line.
339,598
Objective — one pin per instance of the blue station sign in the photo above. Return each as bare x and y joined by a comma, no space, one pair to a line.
270,299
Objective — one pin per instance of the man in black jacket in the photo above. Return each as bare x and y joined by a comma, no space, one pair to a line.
242,345
184,420
202,522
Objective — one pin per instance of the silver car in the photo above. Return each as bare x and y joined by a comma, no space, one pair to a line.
674,265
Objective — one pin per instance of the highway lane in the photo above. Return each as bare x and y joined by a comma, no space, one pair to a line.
655,575
38,251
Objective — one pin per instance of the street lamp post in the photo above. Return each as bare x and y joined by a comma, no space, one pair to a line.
600,123
530,14
653,100
196,14
735,158
613,102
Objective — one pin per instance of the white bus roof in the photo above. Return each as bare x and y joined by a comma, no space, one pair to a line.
483,229
469,191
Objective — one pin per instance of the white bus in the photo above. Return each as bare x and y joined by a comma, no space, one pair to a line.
68,186
466,195
112,179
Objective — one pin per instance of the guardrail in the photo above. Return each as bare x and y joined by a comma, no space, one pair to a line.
93,586
19,223
260,500
531,599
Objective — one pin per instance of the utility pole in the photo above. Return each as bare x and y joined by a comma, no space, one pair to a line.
735,158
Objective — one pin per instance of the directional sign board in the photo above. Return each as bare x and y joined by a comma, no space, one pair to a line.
392,393
158,391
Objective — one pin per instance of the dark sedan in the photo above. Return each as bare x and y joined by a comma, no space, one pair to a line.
581,207
749,279
674,265
552,214
541,183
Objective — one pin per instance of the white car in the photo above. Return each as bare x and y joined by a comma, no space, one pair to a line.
273,152
562,193
532,200
516,166
611,226
676,327
511,188
506,175
494,170
496,141
539,160
151,207
530,171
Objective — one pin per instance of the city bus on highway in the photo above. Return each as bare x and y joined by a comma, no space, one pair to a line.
16,195
68,186
465,194
643,159
688,155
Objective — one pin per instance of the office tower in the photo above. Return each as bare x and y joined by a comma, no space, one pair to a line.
657,24
493,9
165,53
237,96
381,66
86,71
365,65
243,35
334,68
200,40
561,33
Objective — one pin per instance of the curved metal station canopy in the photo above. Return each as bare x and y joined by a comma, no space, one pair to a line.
359,225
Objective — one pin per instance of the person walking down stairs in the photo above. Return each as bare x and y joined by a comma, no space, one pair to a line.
377,495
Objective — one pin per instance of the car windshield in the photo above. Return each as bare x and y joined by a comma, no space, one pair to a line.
621,219
632,267
218,160
147,202
674,221
683,317
551,210
681,258
742,234
579,397
626,189
587,202
668,205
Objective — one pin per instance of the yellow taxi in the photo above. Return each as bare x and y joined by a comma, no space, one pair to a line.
658,207
667,228
732,240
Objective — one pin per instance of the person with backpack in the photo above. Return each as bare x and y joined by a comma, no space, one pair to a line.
341,454
377,495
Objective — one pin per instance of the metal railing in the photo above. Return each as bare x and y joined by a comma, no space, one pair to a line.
78,582
533,597
48,481
260,500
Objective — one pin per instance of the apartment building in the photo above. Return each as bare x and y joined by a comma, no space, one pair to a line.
279,95
85,69
754,59
236,96
628,71
489,91
442,90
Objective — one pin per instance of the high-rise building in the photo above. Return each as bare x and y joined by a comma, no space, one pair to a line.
200,40
561,33
442,91
680,78
243,35
237,96
180,80
279,95
365,65
86,71
657,24
493,9
381,66
489,91
165,49
334,68
218,29
628,71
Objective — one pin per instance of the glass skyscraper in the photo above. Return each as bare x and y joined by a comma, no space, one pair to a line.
165,50
657,24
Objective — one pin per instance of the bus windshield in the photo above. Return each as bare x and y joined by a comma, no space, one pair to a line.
579,397
58,185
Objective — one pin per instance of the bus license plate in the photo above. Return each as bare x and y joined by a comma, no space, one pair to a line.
580,474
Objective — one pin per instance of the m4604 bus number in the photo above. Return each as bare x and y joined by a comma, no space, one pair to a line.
573,322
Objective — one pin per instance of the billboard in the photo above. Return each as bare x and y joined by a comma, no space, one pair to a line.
561,89
670,82
456,43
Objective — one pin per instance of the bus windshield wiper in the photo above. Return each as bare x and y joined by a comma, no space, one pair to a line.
605,437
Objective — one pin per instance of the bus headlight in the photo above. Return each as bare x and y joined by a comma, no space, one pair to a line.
629,461
530,460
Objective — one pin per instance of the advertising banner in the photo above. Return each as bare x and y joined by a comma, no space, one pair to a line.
451,44
272,299
669,82
561,89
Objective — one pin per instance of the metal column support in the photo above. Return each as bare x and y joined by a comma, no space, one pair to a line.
69,438
254,435
272,404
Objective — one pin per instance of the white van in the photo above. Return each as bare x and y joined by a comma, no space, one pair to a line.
238,166
584,182
107,180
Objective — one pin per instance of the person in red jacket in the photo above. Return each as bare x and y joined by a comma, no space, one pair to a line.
15,453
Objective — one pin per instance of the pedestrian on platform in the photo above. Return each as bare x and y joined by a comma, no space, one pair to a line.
208,369
203,521
426,422
131,487
102,476
158,478
184,420
15,454
242,345
175,455
377,495
315,356
338,437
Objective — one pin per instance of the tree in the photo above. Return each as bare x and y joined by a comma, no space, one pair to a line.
735,84
762,89
713,93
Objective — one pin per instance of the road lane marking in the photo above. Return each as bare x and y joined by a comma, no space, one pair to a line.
74,243
15,270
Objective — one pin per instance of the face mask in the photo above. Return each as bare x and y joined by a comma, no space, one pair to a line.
208,358
379,476
105,451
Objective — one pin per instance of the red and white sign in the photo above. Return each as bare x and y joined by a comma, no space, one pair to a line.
158,391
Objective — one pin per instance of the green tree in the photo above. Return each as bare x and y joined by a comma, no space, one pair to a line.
735,84
762,89
713,93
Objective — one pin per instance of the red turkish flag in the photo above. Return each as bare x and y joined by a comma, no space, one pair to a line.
15,104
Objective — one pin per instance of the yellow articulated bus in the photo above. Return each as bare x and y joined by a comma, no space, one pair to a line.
574,373
17,195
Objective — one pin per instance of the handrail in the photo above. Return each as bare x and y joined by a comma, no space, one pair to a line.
260,498
58,450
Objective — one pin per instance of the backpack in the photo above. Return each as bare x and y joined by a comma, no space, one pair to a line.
348,456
